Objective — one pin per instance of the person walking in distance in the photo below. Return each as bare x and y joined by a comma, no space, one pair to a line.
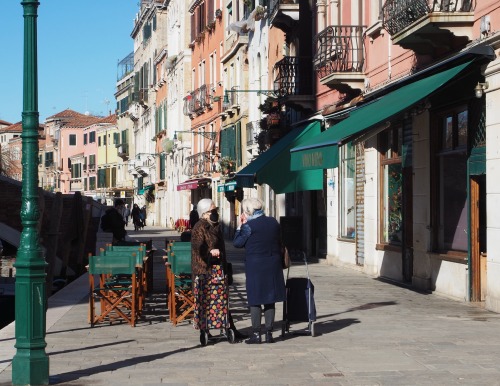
193,217
136,218
126,214
113,222
260,235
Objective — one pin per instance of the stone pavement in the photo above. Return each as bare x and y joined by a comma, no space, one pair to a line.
370,332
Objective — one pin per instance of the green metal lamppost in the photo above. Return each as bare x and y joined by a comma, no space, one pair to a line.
30,365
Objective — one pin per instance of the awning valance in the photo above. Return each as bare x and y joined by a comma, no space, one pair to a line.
227,186
321,151
273,166
193,184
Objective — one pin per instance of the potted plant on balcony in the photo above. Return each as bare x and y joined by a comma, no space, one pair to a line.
218,13
226,165
260,11
273,119
168,146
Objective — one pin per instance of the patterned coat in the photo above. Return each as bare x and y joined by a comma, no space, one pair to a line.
204,238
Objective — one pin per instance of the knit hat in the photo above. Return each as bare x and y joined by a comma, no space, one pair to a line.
204,206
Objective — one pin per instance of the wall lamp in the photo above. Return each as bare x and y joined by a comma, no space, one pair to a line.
207,134
138,155
269,93
479,89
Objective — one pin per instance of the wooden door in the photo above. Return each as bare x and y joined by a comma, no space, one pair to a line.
478,237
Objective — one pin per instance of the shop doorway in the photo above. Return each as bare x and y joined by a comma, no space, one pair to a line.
478,253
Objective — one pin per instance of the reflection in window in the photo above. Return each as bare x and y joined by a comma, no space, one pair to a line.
453,203
391,208
392,204
348,191
451,182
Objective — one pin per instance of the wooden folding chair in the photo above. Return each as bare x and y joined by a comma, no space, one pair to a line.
180,292
140,253
116,290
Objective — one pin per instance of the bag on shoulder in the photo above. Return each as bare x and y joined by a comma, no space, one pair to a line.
285,258
106,222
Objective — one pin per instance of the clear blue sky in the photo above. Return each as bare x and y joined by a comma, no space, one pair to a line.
79,46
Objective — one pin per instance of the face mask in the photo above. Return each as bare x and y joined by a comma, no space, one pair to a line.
214,216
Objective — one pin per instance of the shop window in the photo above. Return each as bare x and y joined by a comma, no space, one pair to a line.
450,181
391,189
347,191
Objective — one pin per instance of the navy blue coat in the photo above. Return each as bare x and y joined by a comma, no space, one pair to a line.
261,238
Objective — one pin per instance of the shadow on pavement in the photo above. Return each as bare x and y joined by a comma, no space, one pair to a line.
90,347
77,374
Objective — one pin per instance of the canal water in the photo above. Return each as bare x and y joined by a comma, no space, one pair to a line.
7,284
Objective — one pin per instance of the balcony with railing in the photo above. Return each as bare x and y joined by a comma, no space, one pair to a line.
252,130
339,57
231,101
198,101
284,14
199,164
293,81
122,151
431,27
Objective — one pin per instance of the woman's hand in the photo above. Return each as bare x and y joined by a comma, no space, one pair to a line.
243,218
215,252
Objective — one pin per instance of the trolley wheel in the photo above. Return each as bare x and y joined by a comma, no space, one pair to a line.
203,338
311,329
231,338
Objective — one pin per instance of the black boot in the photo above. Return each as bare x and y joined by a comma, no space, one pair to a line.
254,339
269,337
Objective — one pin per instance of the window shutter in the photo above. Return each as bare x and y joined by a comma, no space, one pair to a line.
124,136
162,166
228,143
237,157
135,94
203,17
210,12
193,27
107,174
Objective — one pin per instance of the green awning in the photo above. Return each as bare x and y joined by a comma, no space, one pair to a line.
321,151
145,189
273,166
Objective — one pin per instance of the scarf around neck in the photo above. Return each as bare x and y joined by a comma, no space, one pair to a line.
256,214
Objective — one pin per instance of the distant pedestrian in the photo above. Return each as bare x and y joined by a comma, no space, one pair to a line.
136,217
193,217
143,216
113,222
126,213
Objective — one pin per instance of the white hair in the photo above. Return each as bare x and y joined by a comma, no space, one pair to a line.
250,205
203,206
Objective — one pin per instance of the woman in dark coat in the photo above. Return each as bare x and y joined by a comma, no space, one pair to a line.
136,211
261,237
208,249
